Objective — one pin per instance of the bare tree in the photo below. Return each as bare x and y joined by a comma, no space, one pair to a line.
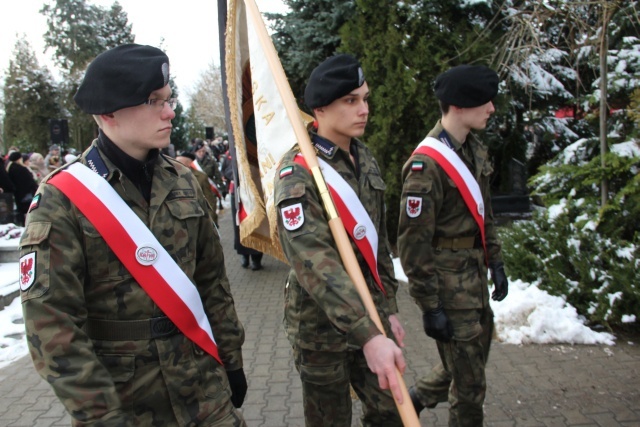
205,99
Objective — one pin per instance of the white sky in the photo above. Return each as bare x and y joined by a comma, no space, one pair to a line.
527,316
189,29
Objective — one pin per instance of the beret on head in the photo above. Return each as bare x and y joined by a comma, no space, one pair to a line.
467,86
199,144
334,78
188,154
15,155
122,77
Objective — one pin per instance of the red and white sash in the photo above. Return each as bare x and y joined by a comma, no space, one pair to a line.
461,176
140,252
195,165
354,216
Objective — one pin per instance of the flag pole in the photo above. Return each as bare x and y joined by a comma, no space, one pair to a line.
406,410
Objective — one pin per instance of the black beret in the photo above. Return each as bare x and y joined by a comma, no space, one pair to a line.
188,154
334,78
467,86
15,155
122,77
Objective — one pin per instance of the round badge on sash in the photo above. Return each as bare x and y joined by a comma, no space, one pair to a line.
359,232
146,254
481,209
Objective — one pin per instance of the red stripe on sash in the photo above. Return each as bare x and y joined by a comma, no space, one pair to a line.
350,222
460,183
124,247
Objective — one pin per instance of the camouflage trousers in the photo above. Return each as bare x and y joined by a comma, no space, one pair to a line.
326,377
460,377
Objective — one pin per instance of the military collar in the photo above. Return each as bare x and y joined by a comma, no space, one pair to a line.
328,149
324,146
444,137
100,158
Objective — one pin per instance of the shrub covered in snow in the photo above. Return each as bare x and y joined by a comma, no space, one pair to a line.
573,248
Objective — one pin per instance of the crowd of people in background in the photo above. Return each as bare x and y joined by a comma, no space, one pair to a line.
20,176
21,173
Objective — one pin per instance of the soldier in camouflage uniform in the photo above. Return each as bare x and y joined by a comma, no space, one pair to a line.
335,342
186,158
441,249
209,164
111,355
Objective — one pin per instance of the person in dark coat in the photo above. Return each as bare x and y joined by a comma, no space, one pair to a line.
25,185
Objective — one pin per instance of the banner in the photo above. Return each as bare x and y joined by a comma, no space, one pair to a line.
262,130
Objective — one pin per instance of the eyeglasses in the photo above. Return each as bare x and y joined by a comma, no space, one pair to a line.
159,103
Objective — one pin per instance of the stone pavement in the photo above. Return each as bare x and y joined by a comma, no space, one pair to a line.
531,385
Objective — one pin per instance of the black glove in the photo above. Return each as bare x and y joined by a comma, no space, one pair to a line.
436,324
499,281
238,384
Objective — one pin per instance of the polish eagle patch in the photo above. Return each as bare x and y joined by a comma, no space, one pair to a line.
292,216
414,206
27,270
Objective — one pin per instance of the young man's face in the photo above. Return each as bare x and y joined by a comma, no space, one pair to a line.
345,117
144,127
476,118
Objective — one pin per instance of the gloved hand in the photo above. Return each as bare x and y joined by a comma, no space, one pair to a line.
238,384
499,281
436,324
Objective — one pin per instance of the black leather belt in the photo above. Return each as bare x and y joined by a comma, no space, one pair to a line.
130,330
455,243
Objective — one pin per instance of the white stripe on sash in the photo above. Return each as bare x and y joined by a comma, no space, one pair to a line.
176,279
463,170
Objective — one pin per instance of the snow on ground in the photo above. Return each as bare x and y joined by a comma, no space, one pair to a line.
527,316
531,316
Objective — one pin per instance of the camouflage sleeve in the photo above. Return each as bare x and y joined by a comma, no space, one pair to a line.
385,265
420,202
54,311
494,248
211,279
217,175
308,244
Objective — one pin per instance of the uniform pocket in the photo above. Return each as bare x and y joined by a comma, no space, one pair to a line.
323,375
213,377
105,265
121,367
186,215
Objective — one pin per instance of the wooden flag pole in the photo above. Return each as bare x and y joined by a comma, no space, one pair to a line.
406,410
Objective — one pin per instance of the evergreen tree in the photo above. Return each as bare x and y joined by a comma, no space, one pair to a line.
29,101
403,47
78,32
180,130
308,34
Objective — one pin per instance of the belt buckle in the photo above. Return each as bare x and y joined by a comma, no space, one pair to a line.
162,327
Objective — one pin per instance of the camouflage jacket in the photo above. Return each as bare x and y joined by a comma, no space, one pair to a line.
323,310
210,166
203,181
457,277
77,277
